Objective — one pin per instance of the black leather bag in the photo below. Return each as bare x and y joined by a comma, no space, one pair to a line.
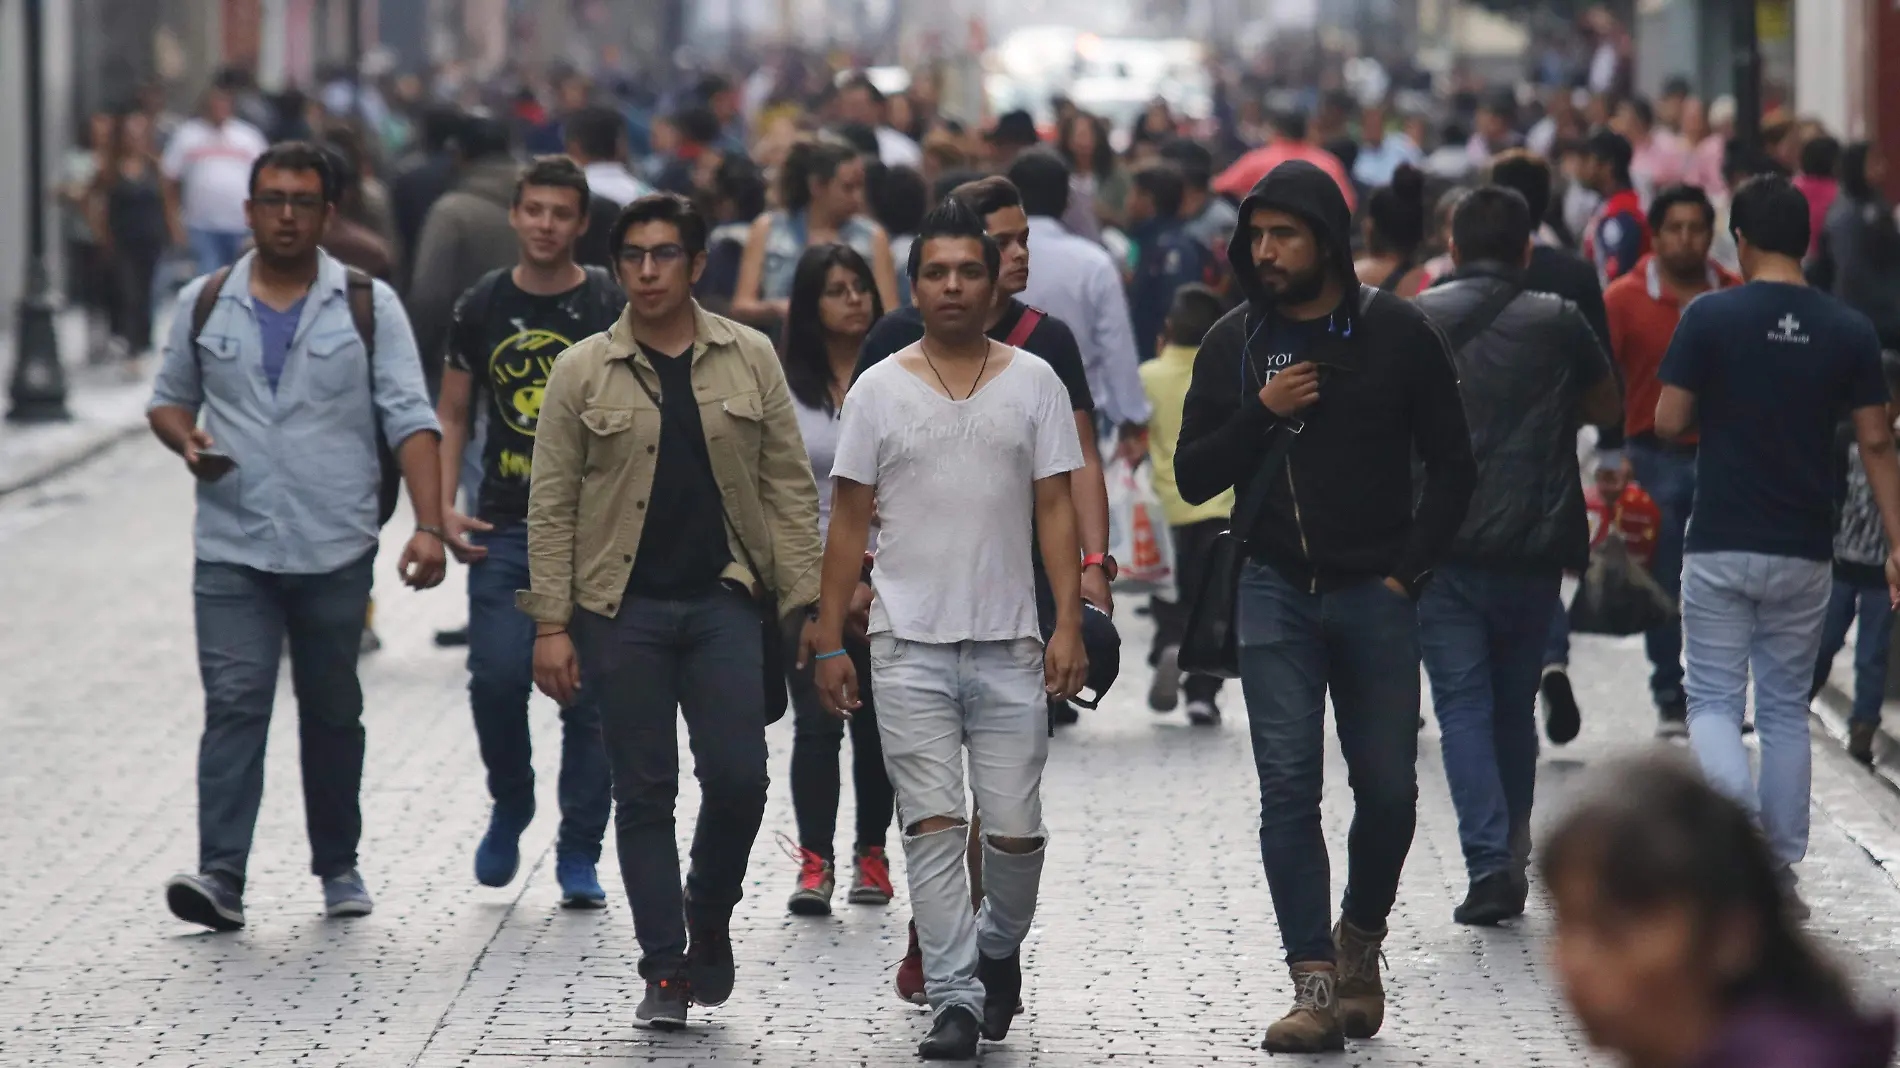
1208,641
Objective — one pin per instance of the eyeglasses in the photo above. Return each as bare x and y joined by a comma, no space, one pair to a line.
663,255
301,203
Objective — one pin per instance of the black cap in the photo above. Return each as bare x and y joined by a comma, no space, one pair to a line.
1103,644
1014,128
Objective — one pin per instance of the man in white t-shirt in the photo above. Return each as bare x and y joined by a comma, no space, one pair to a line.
966,445
210,160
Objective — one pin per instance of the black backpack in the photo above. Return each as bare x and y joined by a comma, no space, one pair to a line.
362,296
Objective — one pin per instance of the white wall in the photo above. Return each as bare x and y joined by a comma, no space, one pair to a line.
1830,62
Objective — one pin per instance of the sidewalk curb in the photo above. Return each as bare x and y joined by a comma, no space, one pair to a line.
1831,708
74,454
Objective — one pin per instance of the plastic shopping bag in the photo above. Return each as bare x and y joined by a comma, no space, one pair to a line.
1138,536
1617,595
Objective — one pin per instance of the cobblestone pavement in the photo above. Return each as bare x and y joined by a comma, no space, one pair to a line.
1155,943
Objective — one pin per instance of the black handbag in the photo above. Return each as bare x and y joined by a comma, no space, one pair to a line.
765,598
1208,641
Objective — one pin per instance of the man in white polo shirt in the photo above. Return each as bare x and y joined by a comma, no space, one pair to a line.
210,160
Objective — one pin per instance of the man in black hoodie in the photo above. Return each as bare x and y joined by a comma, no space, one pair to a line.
1335,560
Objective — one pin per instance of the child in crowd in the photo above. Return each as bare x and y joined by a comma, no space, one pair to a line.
1860,589
1674,942
1193,312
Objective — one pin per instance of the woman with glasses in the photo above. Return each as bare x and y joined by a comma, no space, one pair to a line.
834,301
821,201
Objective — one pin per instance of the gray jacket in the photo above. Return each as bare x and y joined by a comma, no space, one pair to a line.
465,236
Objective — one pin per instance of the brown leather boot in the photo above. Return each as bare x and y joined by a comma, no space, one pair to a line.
1312,1025
1361,993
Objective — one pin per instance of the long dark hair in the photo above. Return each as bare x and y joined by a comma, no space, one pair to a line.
1397,212
1102,163
1650,833
802,348
1853,172
808,160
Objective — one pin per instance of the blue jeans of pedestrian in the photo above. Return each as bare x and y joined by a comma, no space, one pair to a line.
243,618
500,680
212,249
1871,605
1557,642
1753,611
1360,643
1669,479
1482,633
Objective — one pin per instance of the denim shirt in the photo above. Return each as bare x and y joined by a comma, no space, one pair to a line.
302,498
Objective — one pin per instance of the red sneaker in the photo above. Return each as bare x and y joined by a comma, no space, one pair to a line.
871,882
815,886
910,972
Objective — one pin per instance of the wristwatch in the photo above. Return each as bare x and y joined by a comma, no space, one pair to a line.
1104,561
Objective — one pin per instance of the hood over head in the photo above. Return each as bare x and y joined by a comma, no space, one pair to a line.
1303,189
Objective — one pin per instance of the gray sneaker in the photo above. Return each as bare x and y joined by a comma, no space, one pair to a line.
208,899
345,895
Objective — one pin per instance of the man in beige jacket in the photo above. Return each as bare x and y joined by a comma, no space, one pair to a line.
682,416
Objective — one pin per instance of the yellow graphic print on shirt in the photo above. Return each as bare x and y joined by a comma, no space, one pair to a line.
518,377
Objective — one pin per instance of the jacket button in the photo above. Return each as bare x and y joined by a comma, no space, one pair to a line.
651,450
627,559
610,607
642,505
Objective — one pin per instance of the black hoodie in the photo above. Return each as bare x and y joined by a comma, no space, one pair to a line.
1343,511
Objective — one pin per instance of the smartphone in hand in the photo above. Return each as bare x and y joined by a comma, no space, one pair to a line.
213,465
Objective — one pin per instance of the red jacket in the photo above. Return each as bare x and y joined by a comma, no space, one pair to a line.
1643,314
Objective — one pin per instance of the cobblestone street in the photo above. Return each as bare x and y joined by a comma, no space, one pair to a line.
1154,945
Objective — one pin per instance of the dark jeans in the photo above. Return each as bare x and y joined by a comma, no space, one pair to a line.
500,680
1361,644
817,736
1669,478
133,269
701,656
243,617
1191,545
1482,633
1875,612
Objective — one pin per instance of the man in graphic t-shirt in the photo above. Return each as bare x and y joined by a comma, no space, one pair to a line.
966,445
1763,371
506,332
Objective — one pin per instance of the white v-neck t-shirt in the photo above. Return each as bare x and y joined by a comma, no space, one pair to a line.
955,487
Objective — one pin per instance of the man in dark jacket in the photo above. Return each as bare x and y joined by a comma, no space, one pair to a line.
465,236
1168,255
1349,382
1530,371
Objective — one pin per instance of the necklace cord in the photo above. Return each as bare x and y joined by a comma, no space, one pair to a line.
951,393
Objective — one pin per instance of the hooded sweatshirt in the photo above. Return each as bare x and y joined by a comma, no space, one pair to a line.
1344,509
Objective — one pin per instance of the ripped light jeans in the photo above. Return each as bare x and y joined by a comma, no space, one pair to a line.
934,700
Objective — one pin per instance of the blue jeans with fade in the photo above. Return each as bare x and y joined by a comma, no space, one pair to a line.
1360,643
1669,479
1482,632
500,681
1871,606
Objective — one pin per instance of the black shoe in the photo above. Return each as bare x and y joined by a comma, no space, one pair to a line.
1562,719
1491,900
1520,893
952,1036
1063,714
208,899
1860,741
1672,718
709,966
664,1007
1002,992
449,639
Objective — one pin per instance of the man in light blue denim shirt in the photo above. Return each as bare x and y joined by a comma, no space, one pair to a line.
287,528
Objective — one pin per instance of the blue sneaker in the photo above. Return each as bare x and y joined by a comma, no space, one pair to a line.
499,855
345,895
208,899
580,887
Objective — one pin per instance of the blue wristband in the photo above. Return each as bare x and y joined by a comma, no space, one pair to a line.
828,656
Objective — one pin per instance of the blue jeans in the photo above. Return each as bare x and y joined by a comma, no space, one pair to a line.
500,680
1669,479
1875,612
1482,633
212,249
1743,611
1361,644
243,617
1557,642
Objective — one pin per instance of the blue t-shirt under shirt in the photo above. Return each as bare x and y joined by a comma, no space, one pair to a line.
277,329
1774,368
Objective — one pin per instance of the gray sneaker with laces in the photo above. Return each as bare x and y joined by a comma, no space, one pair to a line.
345,895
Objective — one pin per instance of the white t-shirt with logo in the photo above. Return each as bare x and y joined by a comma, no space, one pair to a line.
956,494
213,165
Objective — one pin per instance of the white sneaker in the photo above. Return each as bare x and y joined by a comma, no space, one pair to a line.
1203,714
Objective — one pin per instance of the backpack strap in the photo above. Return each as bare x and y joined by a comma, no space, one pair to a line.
361,290
1025,326
207,299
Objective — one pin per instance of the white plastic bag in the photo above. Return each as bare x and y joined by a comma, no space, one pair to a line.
1138,535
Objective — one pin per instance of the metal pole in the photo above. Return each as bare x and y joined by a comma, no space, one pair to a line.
354,21
38,389
1747,53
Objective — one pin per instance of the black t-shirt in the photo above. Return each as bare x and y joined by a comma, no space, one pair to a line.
683,541
1051,339
508,340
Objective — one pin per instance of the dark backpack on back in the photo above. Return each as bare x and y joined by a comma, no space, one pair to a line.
362,297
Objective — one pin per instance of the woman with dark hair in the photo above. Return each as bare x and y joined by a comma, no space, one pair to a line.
1676,942
1395,232
821,200
899,199
1098,187
735,197
834,301
135,216
1859,256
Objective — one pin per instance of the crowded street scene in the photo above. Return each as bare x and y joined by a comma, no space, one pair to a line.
852,532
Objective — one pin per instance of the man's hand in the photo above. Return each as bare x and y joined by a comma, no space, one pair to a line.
557,671
1292,391
1893,579
1095,588
423,562
1131,444
197,442
857,619
1065,665
837,682
1398,587
807,641
455,530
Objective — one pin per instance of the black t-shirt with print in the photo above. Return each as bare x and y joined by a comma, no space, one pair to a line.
508,339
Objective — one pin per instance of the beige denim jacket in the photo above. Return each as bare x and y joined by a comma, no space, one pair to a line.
594,452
